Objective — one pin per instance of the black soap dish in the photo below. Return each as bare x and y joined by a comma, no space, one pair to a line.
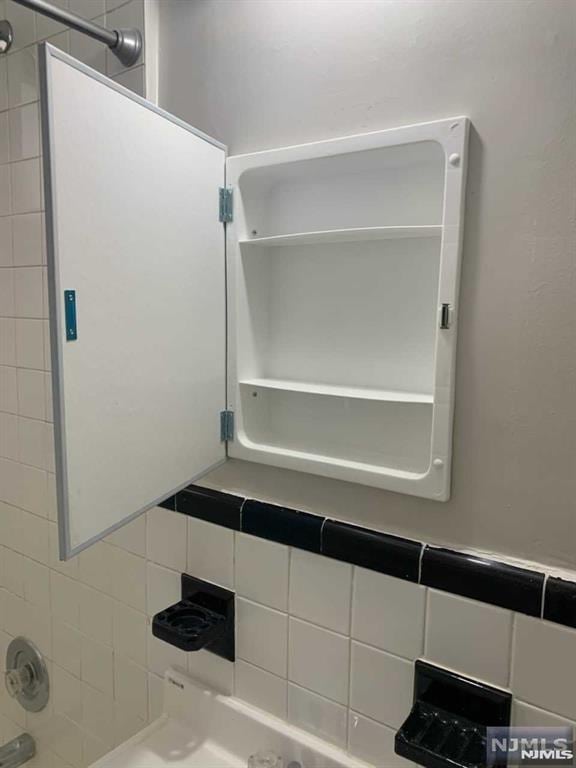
203,619
448,722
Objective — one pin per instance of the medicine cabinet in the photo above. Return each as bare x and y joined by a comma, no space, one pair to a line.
295,307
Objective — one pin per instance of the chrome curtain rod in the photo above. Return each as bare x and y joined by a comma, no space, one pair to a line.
126,44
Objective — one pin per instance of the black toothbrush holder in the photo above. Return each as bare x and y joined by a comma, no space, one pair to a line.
202,619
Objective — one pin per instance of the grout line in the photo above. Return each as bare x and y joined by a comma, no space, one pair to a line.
543,596
512,649
350,620
421,557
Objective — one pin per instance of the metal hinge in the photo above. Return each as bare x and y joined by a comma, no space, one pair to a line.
226,204
226,425
445,317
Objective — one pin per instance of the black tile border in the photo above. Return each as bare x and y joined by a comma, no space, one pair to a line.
489,581
470,575
370,549
560,601
286,526
212,506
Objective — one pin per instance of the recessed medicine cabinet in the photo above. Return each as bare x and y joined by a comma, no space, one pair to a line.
295,307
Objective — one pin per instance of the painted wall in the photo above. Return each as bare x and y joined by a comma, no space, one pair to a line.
266,73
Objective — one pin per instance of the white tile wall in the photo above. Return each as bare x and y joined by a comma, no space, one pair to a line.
89,616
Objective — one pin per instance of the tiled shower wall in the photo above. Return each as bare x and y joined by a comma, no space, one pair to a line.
99,690
326,644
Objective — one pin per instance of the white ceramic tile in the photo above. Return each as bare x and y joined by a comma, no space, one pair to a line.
210,552
98,714
4,137
6,249
131,537
47,27
318,715
22,77
543,671
7,341
380,685
9,436
163,588
134,79
67,693
131,686
32,442
155,696
261,636
67,647
212,670
96,615
469,637
36,583
112,4
66,594
161,655
262,571
5,190
129,578
320,590
527,716
88,9
167,538
7,303
130,629
374,743
89,51
98,665
319,660
31,393
24,132
8,389
388,613
260,688
126,723
27,233
25,182
4,103
25,487
30,344
28,293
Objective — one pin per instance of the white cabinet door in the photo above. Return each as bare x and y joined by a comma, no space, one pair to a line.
136,248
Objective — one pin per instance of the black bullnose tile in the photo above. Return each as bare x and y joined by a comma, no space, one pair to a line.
286,526
370,549
560,601
212,506
169,503
489,581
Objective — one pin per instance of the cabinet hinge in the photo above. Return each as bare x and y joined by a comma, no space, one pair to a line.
445,317
226,425
226,204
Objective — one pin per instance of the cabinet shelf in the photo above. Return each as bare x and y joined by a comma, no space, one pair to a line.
360,393
354,235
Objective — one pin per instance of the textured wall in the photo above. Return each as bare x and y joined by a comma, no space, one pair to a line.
265,73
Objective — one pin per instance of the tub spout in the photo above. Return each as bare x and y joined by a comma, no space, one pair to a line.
18,751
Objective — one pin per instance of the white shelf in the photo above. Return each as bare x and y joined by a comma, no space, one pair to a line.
360,393
354,235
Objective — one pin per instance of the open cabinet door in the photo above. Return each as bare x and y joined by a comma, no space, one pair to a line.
136,273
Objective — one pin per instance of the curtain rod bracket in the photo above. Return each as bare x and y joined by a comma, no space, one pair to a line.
125,44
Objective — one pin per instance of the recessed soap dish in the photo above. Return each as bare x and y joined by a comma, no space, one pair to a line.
448,723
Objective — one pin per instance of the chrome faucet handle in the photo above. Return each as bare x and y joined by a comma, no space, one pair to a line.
265,759
19,679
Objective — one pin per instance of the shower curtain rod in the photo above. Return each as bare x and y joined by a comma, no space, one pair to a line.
126,44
